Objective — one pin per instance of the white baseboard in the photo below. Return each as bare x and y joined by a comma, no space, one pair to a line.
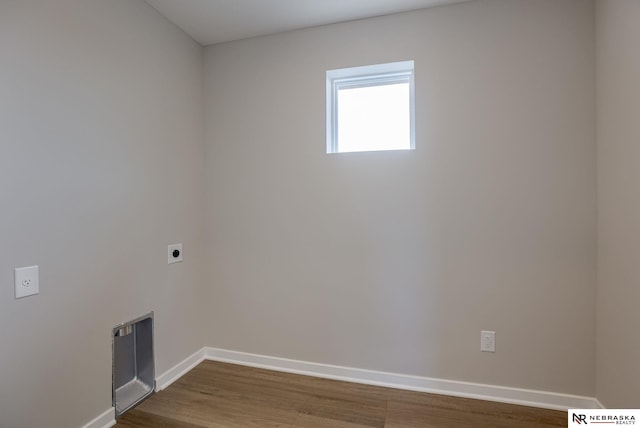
525,397
502,394
179,370
105,420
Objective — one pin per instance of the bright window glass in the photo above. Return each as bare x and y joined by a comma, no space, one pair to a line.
370,108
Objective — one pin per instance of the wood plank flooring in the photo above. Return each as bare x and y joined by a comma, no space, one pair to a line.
218,395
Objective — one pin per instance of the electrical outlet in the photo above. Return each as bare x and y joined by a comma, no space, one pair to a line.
488,341
27,281
174,253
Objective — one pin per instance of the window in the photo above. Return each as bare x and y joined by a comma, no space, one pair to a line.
371,108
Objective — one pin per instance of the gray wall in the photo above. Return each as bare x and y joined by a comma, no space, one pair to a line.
395,261
618,203
101,167
387,261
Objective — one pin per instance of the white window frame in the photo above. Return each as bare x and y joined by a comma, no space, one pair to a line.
366,76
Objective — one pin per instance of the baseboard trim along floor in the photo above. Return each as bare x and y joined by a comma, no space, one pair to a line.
502,394
105,420
179,370
525,397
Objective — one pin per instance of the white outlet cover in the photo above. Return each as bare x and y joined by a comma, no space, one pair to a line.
27,281
170,257
488,341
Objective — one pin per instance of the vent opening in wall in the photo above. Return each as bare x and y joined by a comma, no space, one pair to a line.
133,364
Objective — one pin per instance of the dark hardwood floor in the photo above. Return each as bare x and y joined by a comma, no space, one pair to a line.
224,395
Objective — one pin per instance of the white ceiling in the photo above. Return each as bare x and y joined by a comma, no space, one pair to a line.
217,21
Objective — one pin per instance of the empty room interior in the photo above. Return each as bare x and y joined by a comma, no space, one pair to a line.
173,161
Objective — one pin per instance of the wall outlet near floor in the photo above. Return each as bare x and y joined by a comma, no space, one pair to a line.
488,341
27,281
174,253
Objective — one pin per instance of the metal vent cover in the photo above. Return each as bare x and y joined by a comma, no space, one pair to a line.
133,363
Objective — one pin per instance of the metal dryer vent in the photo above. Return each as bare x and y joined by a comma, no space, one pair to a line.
133,366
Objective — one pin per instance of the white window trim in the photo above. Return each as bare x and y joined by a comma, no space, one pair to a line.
368,75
